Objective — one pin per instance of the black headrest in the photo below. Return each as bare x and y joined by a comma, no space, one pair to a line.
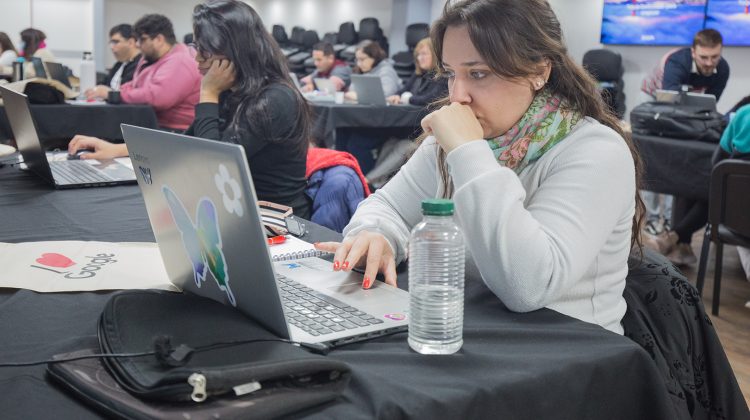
298,34
331,38
603,64
279,34
347,34
415,33
369,28
310,38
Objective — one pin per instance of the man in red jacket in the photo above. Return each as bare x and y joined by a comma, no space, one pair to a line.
166,77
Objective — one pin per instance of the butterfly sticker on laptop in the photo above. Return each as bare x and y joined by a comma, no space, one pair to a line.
202,241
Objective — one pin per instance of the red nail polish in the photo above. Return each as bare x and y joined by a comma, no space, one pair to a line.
345,265
366,283
335,265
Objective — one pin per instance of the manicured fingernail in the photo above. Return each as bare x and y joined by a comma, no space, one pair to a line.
345,265
336,265
366,283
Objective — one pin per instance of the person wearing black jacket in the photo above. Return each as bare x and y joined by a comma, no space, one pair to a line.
422,88
247,98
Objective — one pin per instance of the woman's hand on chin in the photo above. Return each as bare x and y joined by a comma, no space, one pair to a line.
220,77
452,126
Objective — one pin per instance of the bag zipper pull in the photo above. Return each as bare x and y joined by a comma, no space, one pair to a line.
198,382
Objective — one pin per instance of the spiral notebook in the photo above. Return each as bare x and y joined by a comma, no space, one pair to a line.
294,249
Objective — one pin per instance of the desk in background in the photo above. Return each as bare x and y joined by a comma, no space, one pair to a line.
536,365
676,166
57,124
329,117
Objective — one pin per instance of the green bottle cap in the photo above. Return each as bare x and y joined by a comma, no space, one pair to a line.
437,207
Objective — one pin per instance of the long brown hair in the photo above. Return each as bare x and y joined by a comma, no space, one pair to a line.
514,38
31,38
6,44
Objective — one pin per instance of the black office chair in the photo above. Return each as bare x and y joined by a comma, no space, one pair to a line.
297,60
606,67
348,39
279,34
728,218
369,28
666,317
403,61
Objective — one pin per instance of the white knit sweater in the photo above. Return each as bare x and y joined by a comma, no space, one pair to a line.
557,236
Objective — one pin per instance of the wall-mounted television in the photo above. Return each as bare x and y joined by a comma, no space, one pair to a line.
652,22
732,19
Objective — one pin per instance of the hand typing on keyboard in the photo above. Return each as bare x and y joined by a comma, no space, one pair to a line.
370,250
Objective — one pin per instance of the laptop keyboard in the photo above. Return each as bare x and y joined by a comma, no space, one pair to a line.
317,313
77,172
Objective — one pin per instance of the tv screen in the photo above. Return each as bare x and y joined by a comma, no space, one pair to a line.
652,22
731,18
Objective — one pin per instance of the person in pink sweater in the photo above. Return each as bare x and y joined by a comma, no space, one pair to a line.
166,77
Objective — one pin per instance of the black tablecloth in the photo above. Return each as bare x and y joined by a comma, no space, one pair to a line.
675,166
57,124
535,365
328,117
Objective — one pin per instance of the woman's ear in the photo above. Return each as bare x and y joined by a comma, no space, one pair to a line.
544,70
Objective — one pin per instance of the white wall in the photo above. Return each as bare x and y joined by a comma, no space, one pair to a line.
68,25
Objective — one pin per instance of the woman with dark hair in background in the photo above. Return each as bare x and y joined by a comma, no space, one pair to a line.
543,179
33,45
246,98
8,54
371,59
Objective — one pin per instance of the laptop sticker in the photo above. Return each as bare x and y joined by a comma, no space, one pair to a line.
202,241
232,201
145,174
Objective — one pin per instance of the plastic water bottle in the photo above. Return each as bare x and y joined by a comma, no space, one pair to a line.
88,72
436,281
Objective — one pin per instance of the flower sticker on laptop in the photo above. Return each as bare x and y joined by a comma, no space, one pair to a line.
224,181
202,241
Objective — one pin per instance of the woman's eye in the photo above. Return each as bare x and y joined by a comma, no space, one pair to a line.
448,74
477,75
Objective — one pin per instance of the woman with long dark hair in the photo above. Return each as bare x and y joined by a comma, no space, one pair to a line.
247,98
543,179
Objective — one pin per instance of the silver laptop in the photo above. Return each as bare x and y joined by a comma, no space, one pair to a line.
369,89
203,209
702,100
56,71
60,174
325,85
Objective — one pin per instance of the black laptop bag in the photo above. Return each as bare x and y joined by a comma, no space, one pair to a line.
678,121
200,367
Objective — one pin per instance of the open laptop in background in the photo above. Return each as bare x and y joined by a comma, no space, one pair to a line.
325,86
39,69
203,209
60,174
369,90
701,100
57,72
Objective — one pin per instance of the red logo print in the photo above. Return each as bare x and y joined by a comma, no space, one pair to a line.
52,259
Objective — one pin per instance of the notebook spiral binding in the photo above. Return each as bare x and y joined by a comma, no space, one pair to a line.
300,254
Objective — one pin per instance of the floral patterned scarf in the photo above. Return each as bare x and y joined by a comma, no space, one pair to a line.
542,126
